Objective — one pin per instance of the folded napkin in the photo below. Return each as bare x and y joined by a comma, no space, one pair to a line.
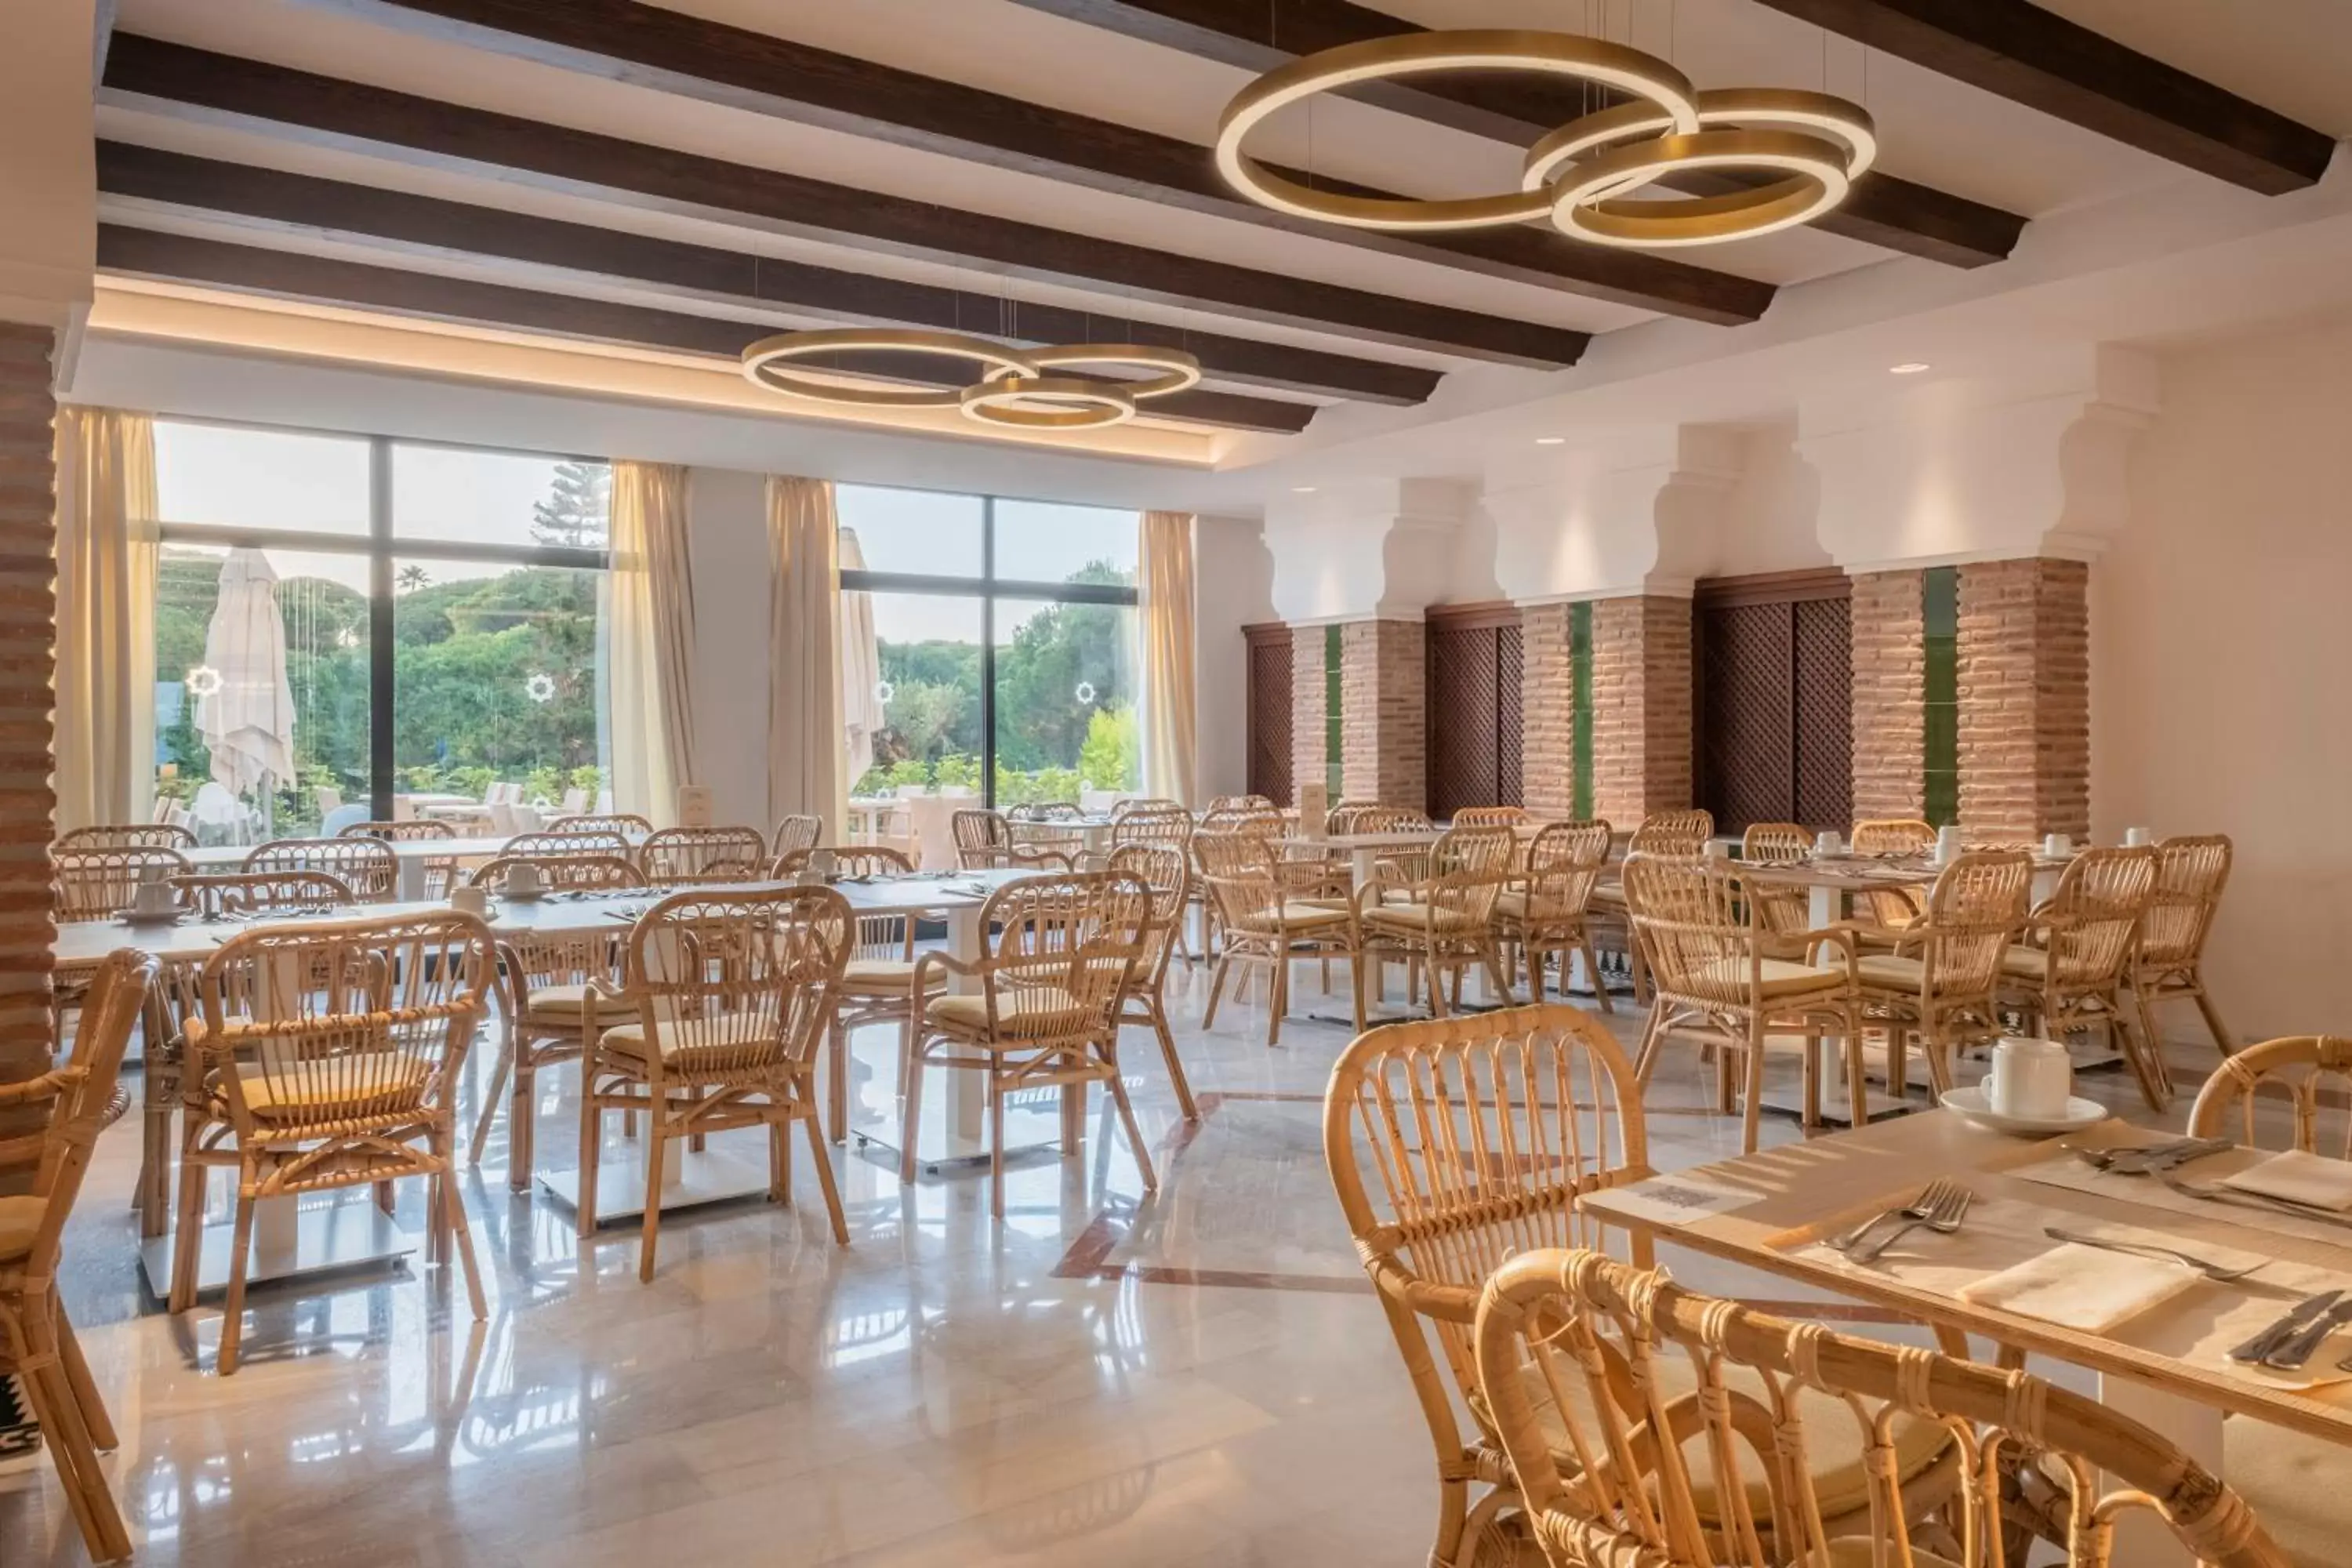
2081,1287
2310,1179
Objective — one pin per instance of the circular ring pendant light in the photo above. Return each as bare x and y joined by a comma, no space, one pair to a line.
1179,371
1014,390
765,363
1582,207
1071,404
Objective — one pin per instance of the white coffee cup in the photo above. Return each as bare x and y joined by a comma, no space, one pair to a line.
2137,837
469,900
1947,844
1828,845
823,864
2032,1079
522,881
2057,847
1716,850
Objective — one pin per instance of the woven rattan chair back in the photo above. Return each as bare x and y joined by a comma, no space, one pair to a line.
1493,817
1779,908
1239,803
1454,1144
1775,844
128,835
98,884
1145,803
1893,836
1165,870
698,857
563,873
1673,833
1975,911
859,862
984,839
1047,811
2293,1093
738,982
1376,819
1248,819
1564,861
1468,869
440,871
799,831
2092,916
2190,875
1065,947
1154,824
231,895
344,1029
601,843
1237,868
77,1096
1576,1358
366,866
1687,914
627,824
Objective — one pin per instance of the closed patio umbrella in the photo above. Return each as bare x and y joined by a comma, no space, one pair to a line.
861,668
245,708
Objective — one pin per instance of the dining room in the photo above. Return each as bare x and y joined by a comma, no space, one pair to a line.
1192,782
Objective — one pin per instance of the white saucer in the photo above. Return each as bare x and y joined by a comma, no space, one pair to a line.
1971,1103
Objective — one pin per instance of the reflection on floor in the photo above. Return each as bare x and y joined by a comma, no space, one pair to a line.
1199,1378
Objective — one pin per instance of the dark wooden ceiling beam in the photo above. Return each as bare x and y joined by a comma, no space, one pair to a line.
187,258
1882,210
307,203
2040,59
652,46
197,84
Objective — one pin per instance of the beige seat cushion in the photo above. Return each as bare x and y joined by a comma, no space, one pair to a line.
19,1218
886,976
1834,1441
1782,977
740,1029
1298,915
1412,915
1511,904
1889,973
2293,1483
2025,964
1024,1012
1855,1551
302,1098
560,1006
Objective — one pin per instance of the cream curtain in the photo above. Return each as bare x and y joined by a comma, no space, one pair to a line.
1168,700
106,617
650,641
804,733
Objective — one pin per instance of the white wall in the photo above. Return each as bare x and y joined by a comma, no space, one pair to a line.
2220,657
1232,587
728,541
1772,519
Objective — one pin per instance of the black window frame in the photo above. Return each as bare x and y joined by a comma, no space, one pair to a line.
381,549
988,588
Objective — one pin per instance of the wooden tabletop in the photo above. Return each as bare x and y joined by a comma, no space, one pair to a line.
1805,1191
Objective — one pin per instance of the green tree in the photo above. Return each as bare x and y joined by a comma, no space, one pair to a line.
578,509
411,578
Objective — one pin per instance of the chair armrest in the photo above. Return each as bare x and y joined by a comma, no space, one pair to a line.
38,1091
1839,935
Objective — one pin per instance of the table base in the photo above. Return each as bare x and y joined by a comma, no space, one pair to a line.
343,1236
1029,1129
718,1175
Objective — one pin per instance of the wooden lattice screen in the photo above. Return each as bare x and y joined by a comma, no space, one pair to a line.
1269,710
1473,706
1774,676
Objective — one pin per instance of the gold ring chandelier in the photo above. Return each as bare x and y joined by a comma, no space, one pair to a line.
1017,388
1587,175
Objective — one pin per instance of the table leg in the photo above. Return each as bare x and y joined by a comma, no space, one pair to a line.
967,1096
2142,1539
155,1131
410,880
1366,859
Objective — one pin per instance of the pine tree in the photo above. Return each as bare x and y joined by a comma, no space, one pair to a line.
578,508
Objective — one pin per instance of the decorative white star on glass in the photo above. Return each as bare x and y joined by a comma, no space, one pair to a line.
540,688
1086,691
204,680
885,693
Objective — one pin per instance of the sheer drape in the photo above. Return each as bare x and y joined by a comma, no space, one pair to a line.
106,616
650,644
805,721
1167,614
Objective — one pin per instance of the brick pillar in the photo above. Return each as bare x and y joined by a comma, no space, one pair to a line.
1547,712
1640,706
28,680
1384,715
1890,692
1307,713
2025,699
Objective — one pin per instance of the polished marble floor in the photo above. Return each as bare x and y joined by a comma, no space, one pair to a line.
1199,1377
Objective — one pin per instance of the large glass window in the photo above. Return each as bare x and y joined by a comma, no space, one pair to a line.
1004,642
351,627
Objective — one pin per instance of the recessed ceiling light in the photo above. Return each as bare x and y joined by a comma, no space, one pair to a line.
1908,367
1302,489
1551,440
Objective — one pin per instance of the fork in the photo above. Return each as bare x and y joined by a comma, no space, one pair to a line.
1918,1208
2212,1270
1950,1211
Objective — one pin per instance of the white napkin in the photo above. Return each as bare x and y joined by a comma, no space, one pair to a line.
2299,1178
2081,1287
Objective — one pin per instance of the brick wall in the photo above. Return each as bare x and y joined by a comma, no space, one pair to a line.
1547,712
2025,699
1384,715
1640,706
1307,758
27,676
1889,690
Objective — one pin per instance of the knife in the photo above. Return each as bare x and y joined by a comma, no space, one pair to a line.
2290,1353
2298,1318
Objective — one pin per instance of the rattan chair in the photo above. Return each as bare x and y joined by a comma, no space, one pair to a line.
1720,979
733,989
801,830
1779,906
1452,1144
328,1055
1166,869
1493,817
1345,819
1260,925
1547,912
38,1346
1683,833
1041,1010
546,989
1152,824
366,866
1891,909
627,824
2168,962
1239,803
128,835
440,872
702,856
2068,972
1148,803
877,984
1941,980
238,895
597,843
1798,1444
99,884
1442,920
1047,811
984,842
